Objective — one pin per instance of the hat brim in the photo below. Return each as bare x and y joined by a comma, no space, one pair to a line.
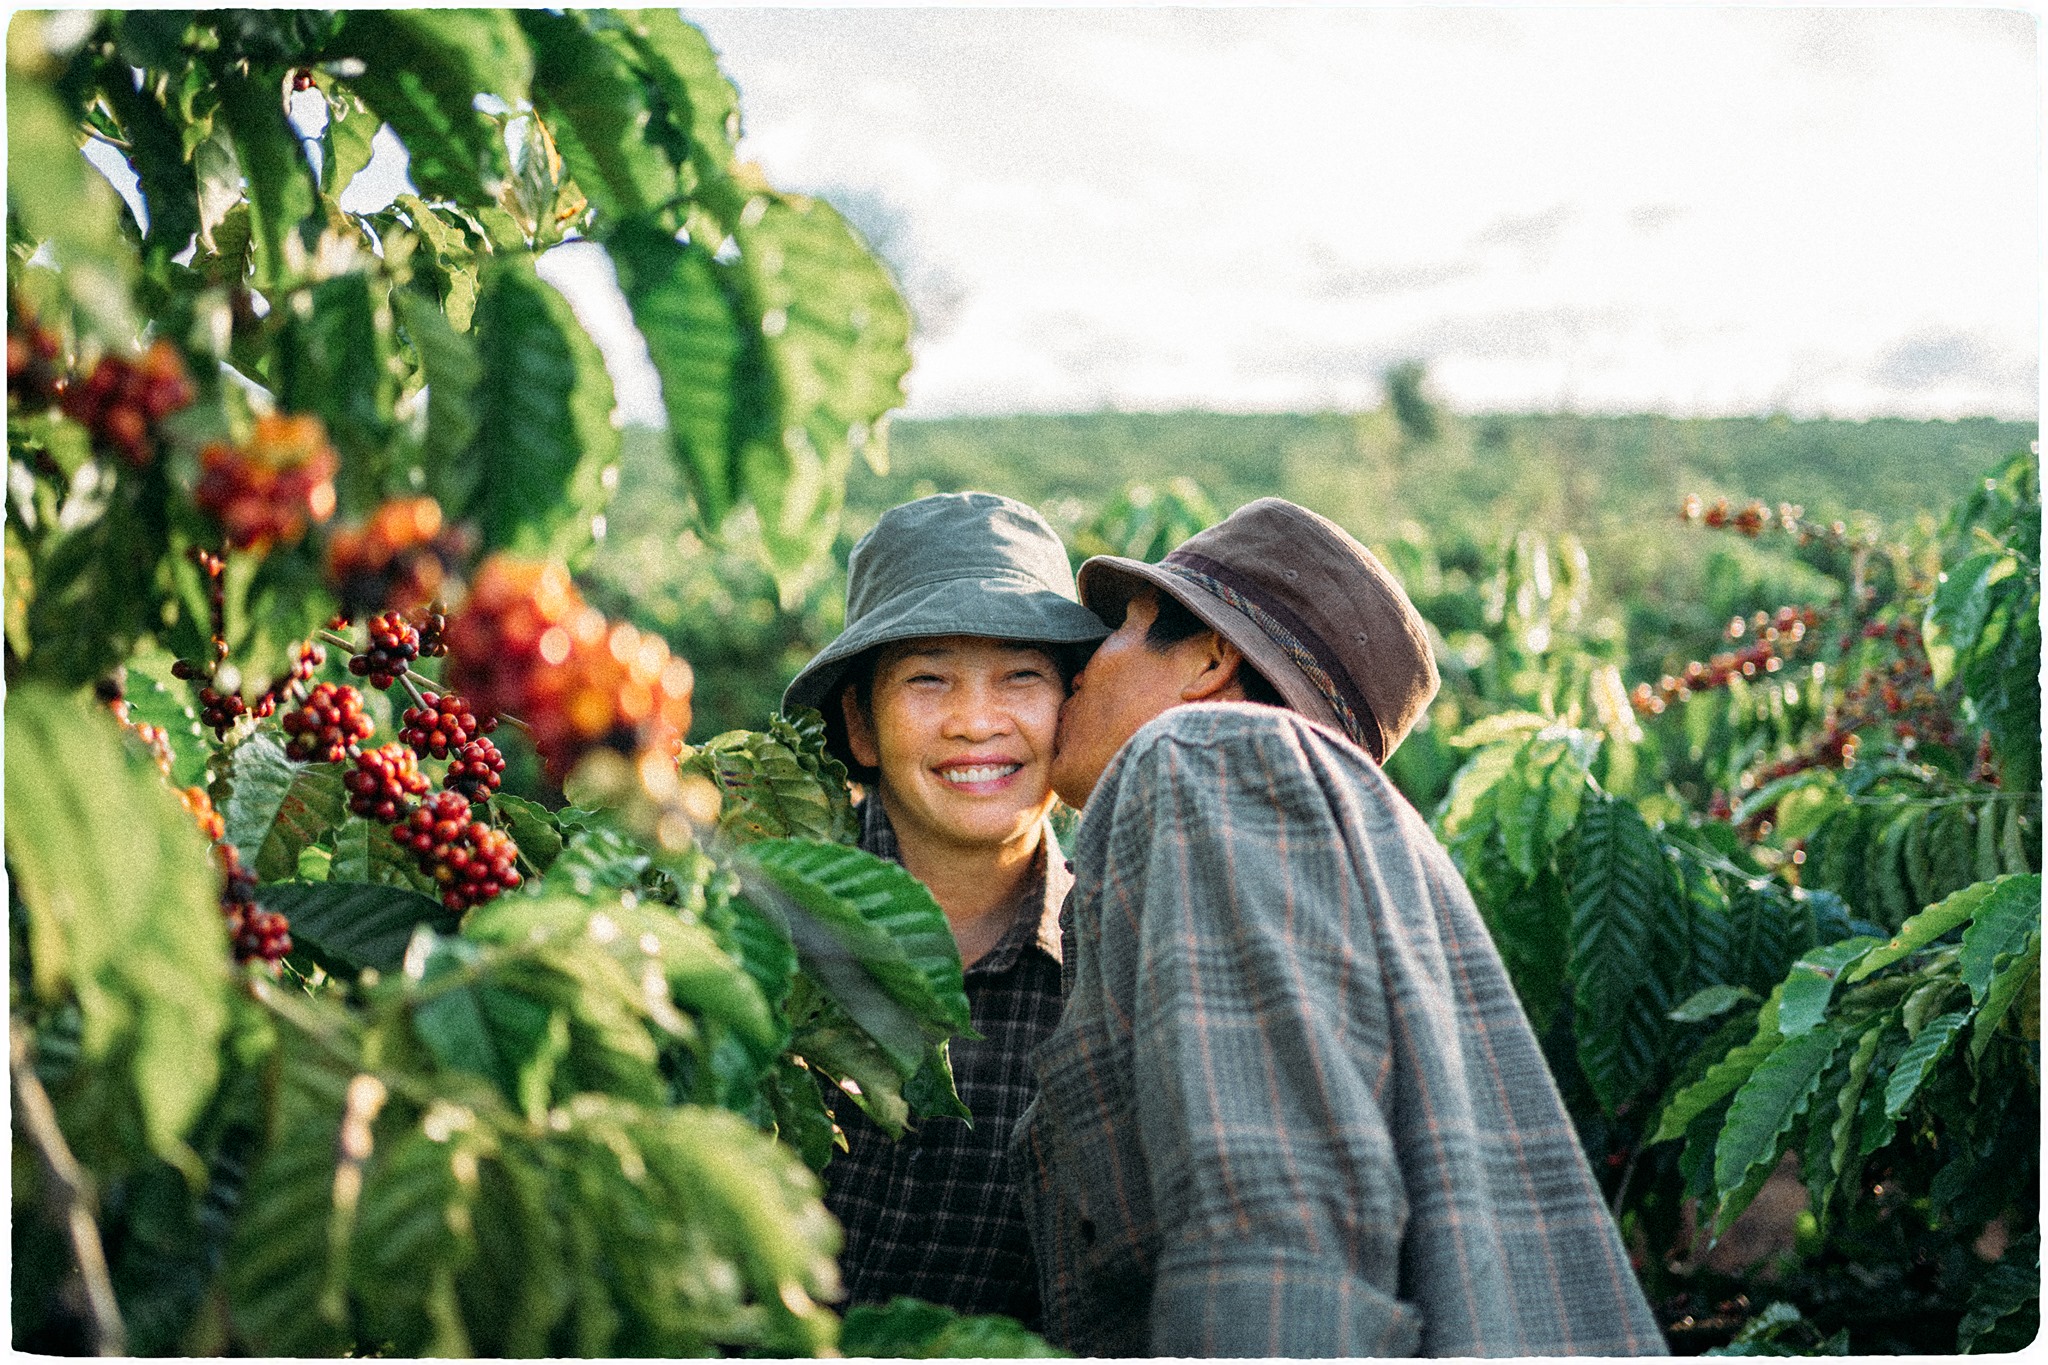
985,608
1108,582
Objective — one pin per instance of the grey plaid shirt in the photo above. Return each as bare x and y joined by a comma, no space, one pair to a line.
1293,1107
937,1214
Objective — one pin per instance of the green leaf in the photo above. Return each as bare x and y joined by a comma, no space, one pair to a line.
1722,1079
273,807
157,152
776,784
285,1246
415,1233
1963,601
1768,1103
2008,983
833,350
911,1329
847,1055
1470,799
57,197
282,197
333,363
593,858
695,341
1927,926
697,110
2009,1288
801,1119
1811,983
1711,1001
1842,1133
348,926
531,827
348,141
1504,725
155,698
1927,1048
364,851
1618,887
502,999
875,911
423,70
449,364
701,976
1521,802
544,407
89,608
757,944
138,938
596,109
1999,925
507,1037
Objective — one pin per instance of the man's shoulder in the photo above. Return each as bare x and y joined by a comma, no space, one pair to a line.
1241,751
1271,733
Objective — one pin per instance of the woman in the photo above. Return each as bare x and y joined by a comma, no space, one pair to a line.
941,697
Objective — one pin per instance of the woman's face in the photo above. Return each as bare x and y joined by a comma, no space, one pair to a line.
961,730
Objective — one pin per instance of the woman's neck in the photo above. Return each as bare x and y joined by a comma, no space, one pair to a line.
977,888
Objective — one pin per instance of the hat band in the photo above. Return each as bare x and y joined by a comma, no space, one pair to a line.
1362,730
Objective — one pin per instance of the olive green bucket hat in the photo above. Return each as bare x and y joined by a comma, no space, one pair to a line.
951,564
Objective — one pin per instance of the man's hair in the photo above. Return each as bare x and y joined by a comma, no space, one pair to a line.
1175,623
860,677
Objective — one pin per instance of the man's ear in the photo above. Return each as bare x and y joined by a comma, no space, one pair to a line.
1216,678
860,734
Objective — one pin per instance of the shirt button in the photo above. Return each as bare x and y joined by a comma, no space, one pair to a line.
1087,1232
1070,864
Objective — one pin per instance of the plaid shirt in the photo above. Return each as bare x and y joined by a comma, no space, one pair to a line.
1293,1107
936,1215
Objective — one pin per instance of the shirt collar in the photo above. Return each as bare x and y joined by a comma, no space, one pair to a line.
1037,922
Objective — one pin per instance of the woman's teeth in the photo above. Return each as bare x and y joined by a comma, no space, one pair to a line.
981,772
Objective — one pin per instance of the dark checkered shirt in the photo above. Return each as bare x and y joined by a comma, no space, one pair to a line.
1293,1107
937,1214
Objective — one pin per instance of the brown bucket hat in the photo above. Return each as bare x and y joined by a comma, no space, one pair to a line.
1311,609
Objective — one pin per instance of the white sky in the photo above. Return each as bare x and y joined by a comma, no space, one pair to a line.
1692,210
1687,209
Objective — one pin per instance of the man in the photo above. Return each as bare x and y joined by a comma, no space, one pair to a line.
1292,1107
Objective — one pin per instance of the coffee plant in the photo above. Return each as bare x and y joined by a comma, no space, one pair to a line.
322,1040
1779,911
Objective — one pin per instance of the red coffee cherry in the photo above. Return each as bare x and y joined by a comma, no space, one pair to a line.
444,724
476,770
393,646
329,726
384,783
468,860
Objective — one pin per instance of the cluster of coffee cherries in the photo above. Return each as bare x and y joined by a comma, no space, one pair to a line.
526,644
1774,636
402,558
1755,517
445,726
469,860
394,644
122,401
266,492
1894,693
328,727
